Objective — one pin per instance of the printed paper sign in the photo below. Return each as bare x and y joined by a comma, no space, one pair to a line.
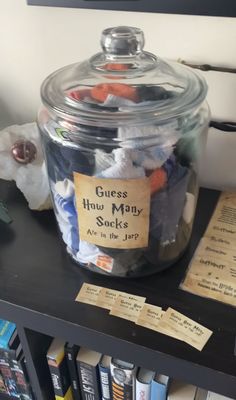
150,316
203,265
107,298
221,241
127,309
211,287
211,277
113,212
207,247
223,220
184,328
212,272
88,294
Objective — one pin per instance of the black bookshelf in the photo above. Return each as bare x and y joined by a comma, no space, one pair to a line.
39,282
226,8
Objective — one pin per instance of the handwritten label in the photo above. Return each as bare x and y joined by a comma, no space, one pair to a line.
88,294
113,212
150,316
107,298
184,328
126,308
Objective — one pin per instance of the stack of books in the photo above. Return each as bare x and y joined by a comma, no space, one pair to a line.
79,373
14,380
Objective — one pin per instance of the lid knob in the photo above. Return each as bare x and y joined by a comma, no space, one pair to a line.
122,41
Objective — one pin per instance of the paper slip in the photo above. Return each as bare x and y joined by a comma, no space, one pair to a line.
184,328
150,316
88,294
126,308
107,298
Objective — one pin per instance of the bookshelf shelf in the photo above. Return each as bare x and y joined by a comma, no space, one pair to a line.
39,282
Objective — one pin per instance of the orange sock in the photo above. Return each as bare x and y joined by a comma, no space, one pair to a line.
102,90
158,179
117,67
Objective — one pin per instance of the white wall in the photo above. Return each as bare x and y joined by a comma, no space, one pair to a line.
34,41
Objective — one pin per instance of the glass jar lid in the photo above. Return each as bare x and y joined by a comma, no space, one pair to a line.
122,85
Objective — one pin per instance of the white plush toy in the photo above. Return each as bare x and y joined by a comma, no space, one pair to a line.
21,160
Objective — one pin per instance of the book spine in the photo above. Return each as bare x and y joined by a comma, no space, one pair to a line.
89,381
6,332
3,388
105,380
143,390
7,374
67,396
60,378
158,391
71,353
21,382
123,383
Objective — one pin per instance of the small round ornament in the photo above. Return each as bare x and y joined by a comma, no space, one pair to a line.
24,151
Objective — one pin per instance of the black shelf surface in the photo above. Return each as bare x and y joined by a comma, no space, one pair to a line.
39,282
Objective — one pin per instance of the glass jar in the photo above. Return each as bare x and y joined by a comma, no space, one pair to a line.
123,133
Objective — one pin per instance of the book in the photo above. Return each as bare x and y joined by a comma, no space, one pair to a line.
71,351
7,329
10,349
16,360
7,374
123,375
201,394
144,380
58,369
181,391
3,388
10,365
215,396
105,377
20,376
24,367
14,347
14,340
159,387
88,370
